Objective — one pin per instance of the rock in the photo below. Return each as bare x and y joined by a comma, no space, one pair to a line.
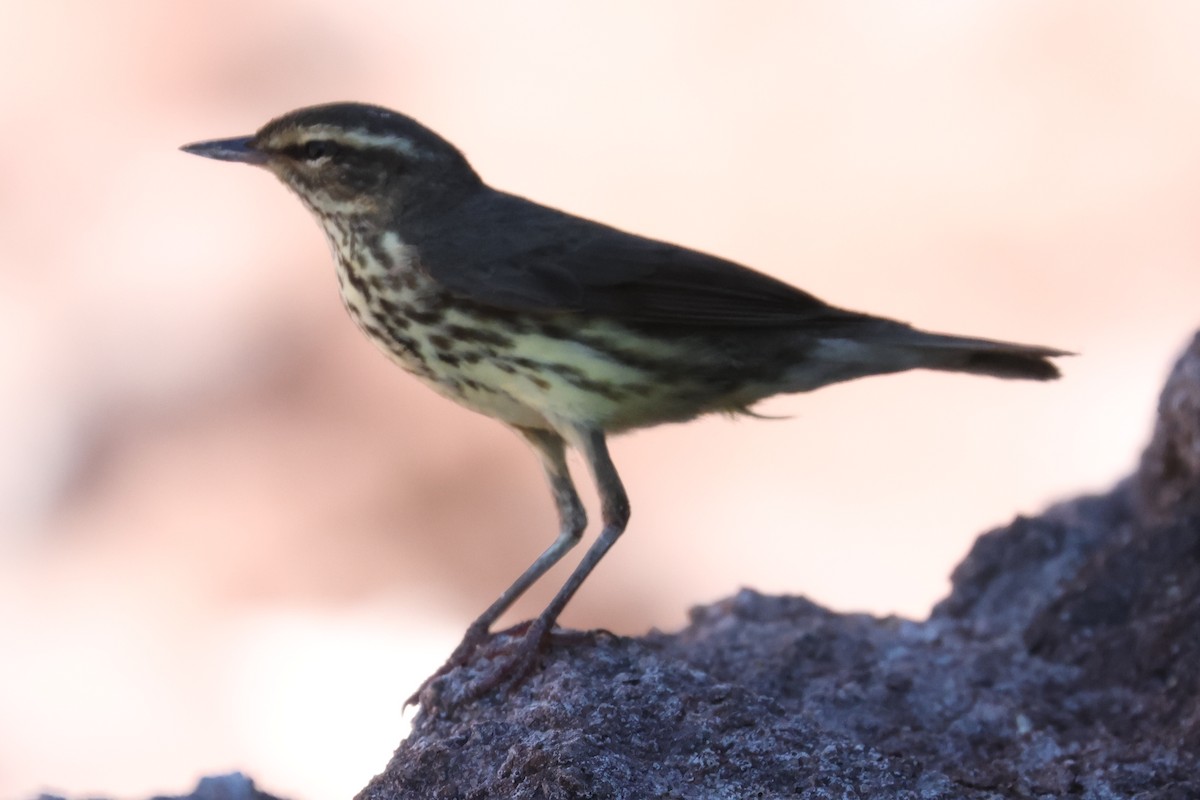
1063,664
232,786
1169,474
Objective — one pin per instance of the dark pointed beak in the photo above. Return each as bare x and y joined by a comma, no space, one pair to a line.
240,149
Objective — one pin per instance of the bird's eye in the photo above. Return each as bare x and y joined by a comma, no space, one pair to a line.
317,149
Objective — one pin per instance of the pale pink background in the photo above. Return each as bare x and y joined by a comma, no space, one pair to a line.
233,536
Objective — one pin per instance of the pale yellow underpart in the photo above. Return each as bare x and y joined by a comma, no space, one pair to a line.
551,400
561,406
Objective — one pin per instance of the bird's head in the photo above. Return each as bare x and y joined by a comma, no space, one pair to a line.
346,159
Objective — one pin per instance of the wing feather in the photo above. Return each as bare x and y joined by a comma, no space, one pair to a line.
518,255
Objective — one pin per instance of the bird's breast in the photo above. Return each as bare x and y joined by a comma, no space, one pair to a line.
537,371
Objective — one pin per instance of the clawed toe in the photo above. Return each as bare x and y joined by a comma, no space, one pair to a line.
500,659
472,640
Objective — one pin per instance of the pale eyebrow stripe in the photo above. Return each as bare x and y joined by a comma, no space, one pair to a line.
354,138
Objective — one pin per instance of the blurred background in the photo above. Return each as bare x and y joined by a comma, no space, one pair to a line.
232,535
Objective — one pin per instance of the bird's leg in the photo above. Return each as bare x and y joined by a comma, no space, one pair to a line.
614,505
572,520
614,510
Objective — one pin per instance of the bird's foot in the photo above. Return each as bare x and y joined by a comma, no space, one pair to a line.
507,657
472,640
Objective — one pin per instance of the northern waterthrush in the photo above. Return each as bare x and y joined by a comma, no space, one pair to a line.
564,329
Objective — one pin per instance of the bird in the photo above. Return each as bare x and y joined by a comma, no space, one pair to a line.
566,330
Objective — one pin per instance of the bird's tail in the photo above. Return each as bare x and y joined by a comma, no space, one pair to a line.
987,357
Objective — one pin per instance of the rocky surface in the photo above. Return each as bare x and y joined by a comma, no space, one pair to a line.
1063,664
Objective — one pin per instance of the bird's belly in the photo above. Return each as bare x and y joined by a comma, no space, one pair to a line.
527,370
516,373
527,378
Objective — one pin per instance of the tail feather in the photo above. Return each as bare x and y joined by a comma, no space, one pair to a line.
1013,364
988,357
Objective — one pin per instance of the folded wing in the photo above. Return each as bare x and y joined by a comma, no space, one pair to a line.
521,256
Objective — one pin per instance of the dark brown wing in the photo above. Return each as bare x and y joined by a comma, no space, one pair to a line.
500,250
